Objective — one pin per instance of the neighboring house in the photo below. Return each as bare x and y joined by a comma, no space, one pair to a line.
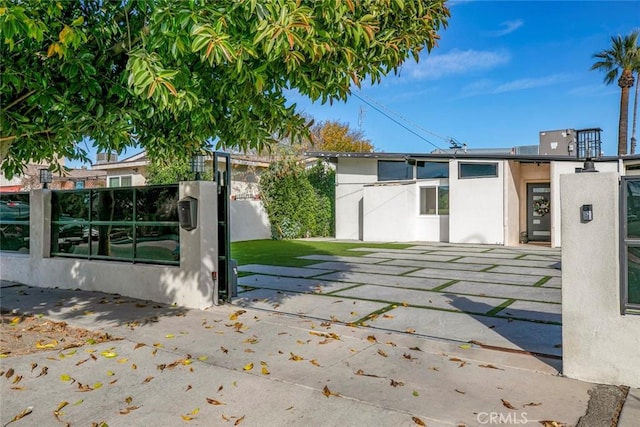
245,172
248,218
460,196
70,179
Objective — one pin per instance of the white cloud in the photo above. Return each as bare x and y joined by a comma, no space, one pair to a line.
455,62
489,87
508,27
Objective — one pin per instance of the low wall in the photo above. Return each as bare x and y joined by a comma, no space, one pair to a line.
249,221
187,285
598,343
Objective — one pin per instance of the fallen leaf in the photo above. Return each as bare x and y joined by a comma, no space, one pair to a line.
410,331
314,362
109,354
248,367
395,383
33,366
97,386
169,336
239,420
361,372
465,346
213,401
548,423
52,344
372,338
78,402
388,316
507,404
9,373
251,340
532,404
128,409
382,353
415,348
65,377
17,379
408,356
418,421
415,393
137,346
326,391
460,391
203,358
295,357
187,417
490,366
235,315
123,360
146,380
404,304
224,350
22,414
265,371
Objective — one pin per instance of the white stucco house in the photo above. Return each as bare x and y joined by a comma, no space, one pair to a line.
453,197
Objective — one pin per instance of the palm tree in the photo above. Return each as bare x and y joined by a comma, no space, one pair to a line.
620,59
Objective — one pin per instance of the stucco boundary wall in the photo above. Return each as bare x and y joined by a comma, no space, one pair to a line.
249,220
599,343
188,285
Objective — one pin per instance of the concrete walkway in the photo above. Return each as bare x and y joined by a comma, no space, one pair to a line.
299,353
489,295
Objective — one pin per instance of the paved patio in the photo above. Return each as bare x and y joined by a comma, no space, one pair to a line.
490,296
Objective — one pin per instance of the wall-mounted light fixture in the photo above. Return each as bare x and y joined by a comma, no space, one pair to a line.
45,176
197,165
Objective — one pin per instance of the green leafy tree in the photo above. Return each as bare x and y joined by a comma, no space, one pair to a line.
323,180
635,100
619,62
171,171
168,75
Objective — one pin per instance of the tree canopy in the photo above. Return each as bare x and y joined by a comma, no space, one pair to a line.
168,75
336,136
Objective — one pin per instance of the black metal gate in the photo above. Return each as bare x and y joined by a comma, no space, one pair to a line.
222,176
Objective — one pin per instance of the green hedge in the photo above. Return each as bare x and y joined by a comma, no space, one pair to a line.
299,202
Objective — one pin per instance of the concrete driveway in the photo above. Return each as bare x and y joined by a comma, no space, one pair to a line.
488,296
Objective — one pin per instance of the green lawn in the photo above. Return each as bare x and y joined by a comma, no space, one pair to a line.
285,252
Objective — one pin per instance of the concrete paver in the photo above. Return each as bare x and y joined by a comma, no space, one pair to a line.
436,265
277,270
515,279
364,268
384,280
411,255
537,293
318,307
553,272
534,311
421,298
291,283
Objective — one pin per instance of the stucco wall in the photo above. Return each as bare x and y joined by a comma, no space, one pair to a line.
389,211
599,344
249,221
351,175
476,207
188,285
512,203
562,168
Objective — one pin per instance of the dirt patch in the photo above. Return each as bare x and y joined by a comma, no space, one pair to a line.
20,335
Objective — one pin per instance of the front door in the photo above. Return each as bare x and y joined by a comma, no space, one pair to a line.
539,212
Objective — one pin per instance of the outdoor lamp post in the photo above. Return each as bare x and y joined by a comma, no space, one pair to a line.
45,177
197,165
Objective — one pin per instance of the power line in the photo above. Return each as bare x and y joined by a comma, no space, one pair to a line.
381,109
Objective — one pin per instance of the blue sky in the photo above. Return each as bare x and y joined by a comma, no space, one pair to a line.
503,71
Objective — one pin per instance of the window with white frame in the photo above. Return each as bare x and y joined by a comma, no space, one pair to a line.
434,200
120,181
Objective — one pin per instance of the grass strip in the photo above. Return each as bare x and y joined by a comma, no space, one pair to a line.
501,307
375,314
542,281
444,285
286,252
489,268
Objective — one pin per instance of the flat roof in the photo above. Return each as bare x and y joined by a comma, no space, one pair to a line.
333,156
